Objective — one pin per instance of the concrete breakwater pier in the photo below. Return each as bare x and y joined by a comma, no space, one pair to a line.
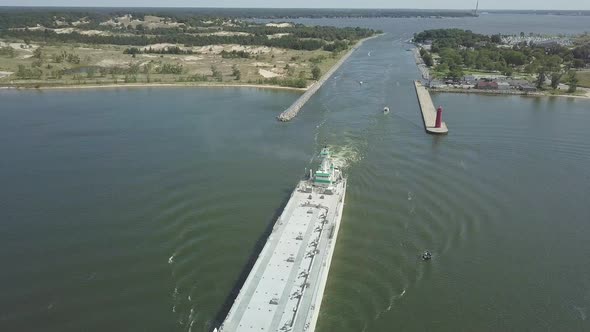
432,122
292,111
420,63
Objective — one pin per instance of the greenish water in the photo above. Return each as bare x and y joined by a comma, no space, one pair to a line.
138,209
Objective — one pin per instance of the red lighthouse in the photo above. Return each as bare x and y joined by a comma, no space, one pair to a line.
438,122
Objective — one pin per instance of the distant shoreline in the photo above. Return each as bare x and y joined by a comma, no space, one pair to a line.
152,85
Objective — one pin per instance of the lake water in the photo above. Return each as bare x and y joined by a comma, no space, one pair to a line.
138,209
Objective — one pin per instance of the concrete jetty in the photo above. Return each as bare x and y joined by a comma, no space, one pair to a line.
420,63
292,111
428,111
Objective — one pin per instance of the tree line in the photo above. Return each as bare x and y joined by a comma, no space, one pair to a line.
453,38
48,36
464,47
165,50
22,17
326,33
235,54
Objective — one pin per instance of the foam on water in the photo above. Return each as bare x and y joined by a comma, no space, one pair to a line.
581,311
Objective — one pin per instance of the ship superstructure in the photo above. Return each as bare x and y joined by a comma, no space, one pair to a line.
284,289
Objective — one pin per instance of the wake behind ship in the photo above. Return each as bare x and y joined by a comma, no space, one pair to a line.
284,290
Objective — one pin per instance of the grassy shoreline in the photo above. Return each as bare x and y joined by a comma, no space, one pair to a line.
326,66
107,49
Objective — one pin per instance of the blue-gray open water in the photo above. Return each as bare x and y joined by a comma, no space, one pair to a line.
137,209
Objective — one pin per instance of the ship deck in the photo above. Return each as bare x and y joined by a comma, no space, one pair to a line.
284,290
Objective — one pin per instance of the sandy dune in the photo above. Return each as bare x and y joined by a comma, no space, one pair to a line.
267,73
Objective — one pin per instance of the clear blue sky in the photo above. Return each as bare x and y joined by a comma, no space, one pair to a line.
422,4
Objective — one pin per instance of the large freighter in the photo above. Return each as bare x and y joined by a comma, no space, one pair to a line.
284,290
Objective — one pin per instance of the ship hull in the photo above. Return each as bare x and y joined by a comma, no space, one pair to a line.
284,289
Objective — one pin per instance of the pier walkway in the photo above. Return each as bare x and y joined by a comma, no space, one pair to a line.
428,111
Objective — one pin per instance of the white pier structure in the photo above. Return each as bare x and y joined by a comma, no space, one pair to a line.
428,111
284,290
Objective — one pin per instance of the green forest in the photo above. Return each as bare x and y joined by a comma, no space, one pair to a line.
458,50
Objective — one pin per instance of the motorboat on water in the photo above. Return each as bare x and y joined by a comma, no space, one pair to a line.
426,255
385,110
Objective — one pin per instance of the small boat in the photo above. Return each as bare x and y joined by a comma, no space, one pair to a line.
361,82
426,255
385,110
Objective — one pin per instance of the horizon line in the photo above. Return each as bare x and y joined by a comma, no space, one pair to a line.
283,8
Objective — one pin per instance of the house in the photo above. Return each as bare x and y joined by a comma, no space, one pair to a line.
503,86
469,79
527,88
484,85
